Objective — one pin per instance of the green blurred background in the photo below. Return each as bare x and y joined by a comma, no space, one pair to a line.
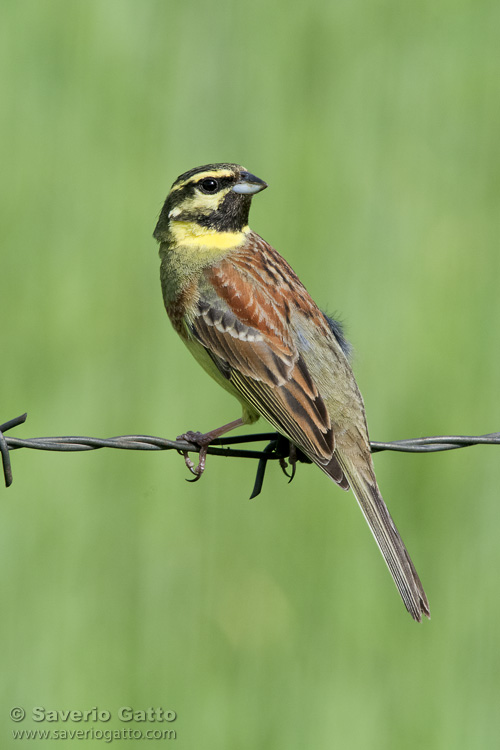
270,623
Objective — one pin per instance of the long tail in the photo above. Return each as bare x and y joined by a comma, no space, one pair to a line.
387,537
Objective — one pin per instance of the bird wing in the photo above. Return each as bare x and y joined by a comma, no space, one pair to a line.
249,339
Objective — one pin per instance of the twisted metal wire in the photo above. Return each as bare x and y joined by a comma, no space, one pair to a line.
276,450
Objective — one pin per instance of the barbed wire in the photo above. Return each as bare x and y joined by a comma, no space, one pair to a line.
277,449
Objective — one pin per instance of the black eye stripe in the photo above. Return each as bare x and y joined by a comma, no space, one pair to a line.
222,182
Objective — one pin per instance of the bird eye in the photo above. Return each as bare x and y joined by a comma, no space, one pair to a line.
209,185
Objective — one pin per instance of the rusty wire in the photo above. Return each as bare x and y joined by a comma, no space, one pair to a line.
277,448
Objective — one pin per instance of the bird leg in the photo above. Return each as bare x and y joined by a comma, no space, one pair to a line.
203,439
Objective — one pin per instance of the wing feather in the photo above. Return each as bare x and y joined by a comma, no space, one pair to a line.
264,366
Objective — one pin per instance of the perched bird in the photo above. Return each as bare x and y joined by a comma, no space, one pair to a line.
249,321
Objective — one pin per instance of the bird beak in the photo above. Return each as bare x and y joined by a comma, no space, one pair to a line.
248,184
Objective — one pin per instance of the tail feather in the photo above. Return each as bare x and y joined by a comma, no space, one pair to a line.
390,543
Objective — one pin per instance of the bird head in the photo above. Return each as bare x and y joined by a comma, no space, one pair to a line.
216,197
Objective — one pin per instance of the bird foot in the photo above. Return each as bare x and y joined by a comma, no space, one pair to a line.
291,462
203,440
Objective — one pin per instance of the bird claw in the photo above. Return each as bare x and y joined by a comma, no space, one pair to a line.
292,462
196,470
198,438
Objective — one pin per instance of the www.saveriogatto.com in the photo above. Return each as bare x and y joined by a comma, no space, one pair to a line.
68,724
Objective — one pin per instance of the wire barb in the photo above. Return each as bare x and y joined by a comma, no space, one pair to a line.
278,448
4,446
